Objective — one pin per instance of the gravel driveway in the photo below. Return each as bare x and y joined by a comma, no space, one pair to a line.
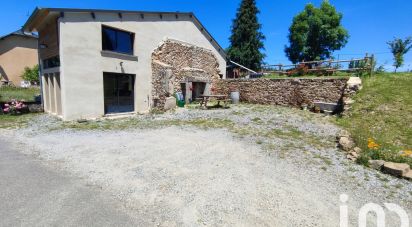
32,194
245,166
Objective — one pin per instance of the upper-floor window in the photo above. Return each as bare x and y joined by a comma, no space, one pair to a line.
117,40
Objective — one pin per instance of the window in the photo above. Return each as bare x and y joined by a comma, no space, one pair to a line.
51,62
117,41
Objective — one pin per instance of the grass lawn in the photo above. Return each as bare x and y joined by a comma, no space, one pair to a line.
11,121
26,94
9,93
382,113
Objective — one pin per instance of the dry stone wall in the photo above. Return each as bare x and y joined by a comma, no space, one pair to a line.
175,62
353,85
286,92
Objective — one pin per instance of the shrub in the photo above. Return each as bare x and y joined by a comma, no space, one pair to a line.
15,107
380,69
31,74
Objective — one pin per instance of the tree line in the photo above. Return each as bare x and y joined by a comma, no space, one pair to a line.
315,33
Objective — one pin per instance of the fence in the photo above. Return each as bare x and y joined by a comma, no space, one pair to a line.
323,67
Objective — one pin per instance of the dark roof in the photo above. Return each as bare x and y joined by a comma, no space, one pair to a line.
38,11
20,32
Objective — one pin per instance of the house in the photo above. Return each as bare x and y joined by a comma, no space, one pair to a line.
235,70
103,62
17,51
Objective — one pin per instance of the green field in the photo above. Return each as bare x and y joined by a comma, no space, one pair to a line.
382,113
27,94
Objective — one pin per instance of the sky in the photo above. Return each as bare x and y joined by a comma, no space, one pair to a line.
370,23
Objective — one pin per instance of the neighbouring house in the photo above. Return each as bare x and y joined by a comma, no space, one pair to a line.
235,70
102,62
17,51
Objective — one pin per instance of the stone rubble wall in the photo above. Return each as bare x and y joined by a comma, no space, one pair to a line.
285,92
175,62
353,85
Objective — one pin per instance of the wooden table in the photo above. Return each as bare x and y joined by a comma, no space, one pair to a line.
220,98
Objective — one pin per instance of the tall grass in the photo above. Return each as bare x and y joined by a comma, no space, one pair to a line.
8,93
383,113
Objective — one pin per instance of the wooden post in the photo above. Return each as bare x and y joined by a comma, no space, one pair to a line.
330,66
366,59
372,59
280,69
337,62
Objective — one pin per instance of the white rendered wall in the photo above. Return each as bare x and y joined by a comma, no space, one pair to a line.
82,63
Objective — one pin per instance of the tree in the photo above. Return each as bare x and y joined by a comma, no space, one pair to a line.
246,41
399,48
31,74
315,33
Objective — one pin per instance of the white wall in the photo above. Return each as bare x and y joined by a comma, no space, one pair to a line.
82,64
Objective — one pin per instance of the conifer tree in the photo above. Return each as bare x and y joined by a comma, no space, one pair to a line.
246,41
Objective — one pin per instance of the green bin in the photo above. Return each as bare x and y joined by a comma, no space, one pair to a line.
180,102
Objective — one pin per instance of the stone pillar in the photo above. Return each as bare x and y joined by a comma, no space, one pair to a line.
208,88
188,92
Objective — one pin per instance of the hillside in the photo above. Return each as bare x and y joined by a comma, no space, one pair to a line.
382,114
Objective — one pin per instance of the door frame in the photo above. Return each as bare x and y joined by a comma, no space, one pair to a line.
133,91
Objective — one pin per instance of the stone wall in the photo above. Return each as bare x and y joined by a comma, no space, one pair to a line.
353,85
175,62
286,92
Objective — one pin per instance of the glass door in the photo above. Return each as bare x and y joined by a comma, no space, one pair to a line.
118,93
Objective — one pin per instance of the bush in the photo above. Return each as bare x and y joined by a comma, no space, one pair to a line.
15,108
380,69
31,74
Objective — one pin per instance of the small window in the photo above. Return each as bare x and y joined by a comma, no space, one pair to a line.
51,62
117,41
